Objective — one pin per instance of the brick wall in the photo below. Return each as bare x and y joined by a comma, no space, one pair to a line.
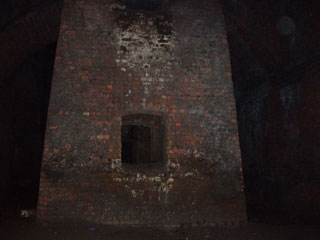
171,62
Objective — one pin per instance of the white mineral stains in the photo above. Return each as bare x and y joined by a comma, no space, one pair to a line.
172,165
133,193
140,178
142,46
157,179
115,163
165,188
170,180
143,50
115,6
162,184
189,174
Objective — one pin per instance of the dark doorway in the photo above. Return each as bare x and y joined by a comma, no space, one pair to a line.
142,139
136,144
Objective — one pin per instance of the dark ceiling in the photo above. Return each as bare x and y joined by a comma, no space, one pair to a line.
264,35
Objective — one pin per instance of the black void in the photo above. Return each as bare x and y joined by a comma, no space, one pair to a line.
142,139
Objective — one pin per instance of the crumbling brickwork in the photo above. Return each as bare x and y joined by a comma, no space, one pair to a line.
115,60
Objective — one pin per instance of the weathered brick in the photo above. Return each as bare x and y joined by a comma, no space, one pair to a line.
156,63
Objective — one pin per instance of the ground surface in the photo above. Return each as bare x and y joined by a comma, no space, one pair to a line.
18,228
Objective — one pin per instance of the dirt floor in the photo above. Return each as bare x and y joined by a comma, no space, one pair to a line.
19,228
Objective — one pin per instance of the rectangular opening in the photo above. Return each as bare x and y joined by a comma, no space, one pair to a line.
143,140
136,144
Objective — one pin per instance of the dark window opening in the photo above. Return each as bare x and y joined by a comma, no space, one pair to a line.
136,144
142,139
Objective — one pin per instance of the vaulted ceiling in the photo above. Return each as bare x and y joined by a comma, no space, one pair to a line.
264,35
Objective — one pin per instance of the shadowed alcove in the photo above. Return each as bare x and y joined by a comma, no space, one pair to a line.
142,139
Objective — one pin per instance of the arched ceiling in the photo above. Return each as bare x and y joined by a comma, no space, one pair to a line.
267,34
26,27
